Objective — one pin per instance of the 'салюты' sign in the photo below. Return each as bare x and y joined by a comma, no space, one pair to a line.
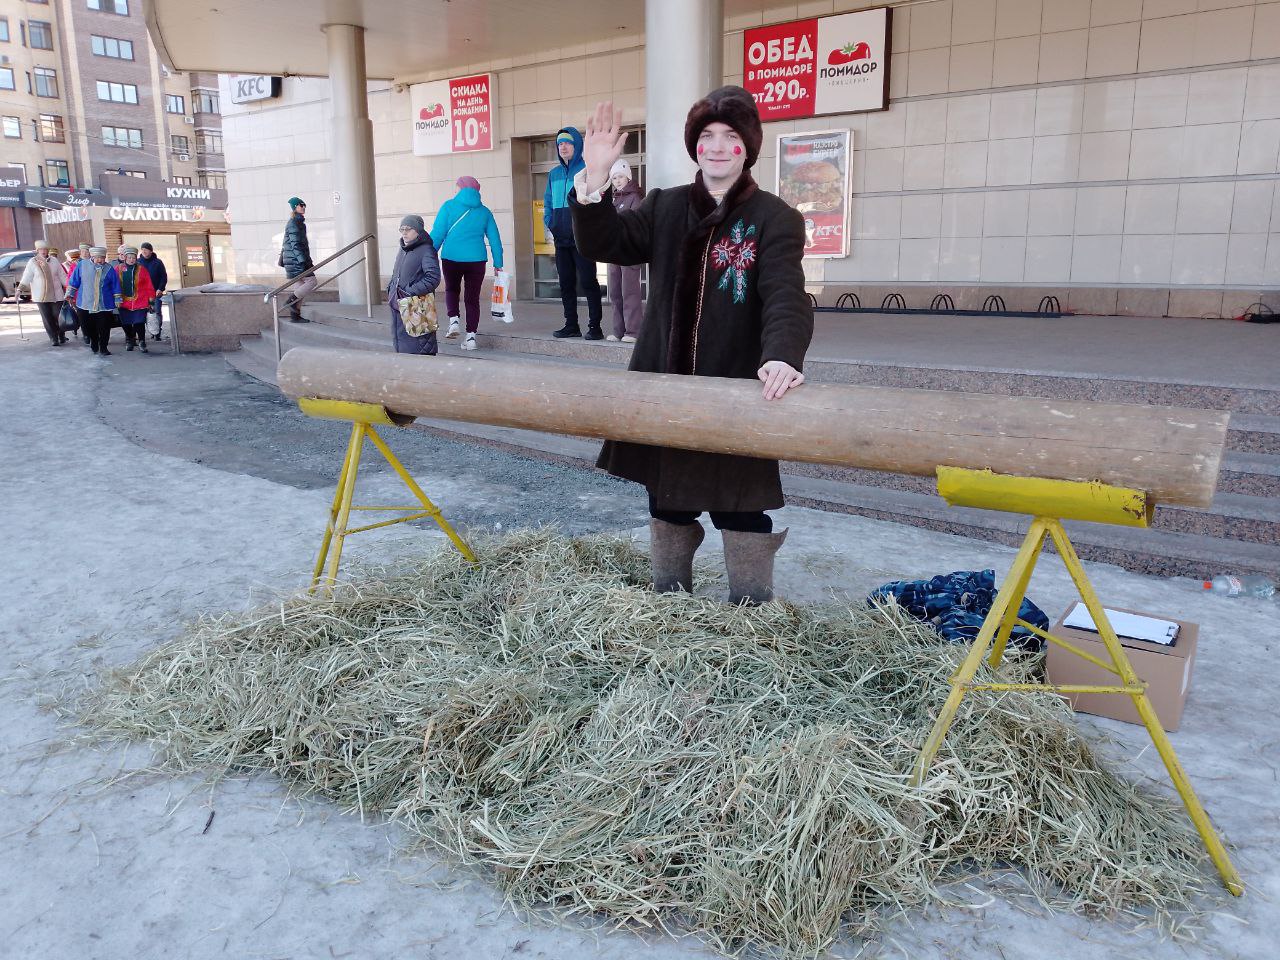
806,68
452,116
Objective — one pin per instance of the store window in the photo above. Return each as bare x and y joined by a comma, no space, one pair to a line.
205,102
120,7
175,104
122,137
111,47
544,159
12,128
46,82
117,92
40,35
57,173
51,128
215,181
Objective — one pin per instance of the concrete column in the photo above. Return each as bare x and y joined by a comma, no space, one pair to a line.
355,209
684,61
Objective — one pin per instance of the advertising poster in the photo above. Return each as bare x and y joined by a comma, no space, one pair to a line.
813,177
825,65
452,116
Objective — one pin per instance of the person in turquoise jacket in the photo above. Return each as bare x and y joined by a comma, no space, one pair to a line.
459,233
571,266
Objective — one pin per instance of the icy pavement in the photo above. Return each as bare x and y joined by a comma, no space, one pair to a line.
115,535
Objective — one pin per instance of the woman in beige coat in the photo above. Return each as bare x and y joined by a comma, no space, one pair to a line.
45,279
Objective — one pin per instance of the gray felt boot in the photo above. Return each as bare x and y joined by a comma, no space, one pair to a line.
671,550
748,561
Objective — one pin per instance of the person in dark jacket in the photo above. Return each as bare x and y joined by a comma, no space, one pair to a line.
159,280
624,282
726,299
572,268
295,257
416,273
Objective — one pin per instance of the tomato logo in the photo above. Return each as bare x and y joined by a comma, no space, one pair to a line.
431,112
849,53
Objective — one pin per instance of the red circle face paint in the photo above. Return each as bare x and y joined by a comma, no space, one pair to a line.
737,151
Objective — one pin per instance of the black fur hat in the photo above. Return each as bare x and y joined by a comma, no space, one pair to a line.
729,105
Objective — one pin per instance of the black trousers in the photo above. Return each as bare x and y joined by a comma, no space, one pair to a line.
575,270
748,521
49,317
98,326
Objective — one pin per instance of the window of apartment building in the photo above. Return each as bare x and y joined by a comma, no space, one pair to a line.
136,174
110,6
57,173
175,104
12,127
179,144
215,181
46,82
208,143
122,137
117,92
6,79
185,181
40,35
205,102
4,29
51,129
111,47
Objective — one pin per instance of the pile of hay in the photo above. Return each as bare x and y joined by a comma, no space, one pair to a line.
658,760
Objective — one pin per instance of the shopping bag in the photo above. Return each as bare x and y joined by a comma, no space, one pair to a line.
153,321
418,314
67,319
501,299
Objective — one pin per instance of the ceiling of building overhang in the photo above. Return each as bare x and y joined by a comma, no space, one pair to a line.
402,37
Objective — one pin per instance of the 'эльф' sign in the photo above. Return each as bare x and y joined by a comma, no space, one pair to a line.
452,116
827,65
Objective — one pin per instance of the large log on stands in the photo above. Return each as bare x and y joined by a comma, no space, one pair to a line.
1171,453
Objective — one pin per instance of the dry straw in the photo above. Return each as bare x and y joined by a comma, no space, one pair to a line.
661,761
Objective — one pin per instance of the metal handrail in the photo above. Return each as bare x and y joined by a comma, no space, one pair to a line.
273,296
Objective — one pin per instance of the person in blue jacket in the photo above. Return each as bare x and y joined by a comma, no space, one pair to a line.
459,233
571,266
94,289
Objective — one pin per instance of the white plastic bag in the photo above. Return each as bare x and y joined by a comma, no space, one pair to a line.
500,308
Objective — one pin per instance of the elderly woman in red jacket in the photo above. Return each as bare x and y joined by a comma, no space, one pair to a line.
136,292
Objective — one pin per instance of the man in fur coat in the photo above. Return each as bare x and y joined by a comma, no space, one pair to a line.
726,299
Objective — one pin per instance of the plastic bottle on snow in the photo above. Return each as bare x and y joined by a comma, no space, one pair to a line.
1232,586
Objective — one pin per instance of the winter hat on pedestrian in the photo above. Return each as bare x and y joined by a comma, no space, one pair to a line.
620,169
729,105
471,183
84,248
146,245
97,251
129,250
564,136
296,202
415,221
42,244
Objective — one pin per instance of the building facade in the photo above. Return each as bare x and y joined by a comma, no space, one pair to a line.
1120,154
83,95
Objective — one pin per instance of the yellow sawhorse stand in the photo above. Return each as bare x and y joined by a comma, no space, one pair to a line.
1049,502
363,417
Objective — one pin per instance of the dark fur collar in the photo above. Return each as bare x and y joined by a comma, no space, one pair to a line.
709,216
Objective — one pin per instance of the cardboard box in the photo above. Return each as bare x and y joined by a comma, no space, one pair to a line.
1166,669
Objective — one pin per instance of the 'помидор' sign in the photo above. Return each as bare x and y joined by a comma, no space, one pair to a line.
826,65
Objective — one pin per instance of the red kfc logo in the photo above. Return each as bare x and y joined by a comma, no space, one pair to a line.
849,53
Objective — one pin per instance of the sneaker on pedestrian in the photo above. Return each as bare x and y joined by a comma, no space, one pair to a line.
593,333
568,330
628,339
611,338
470,342
455,329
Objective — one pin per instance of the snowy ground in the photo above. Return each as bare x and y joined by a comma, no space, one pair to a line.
120,526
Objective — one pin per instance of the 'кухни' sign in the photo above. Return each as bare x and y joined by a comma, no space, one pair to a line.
807,68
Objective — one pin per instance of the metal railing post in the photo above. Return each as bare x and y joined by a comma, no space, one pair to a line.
368,284
275,324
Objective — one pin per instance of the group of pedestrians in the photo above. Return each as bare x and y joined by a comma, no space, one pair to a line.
100,295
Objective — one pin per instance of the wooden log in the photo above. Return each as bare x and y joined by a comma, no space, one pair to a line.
1171,453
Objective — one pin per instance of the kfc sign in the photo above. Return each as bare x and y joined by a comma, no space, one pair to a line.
806,68
246,88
